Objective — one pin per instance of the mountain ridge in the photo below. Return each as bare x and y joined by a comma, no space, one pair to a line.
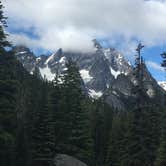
105,72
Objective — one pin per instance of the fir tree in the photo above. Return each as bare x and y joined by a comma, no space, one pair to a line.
117,138
8,108
139,88
161,153
101,120
164,60
43,134
58,112
141,139
78,140
3,41
161,159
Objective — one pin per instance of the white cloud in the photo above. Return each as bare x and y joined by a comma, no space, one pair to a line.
73,24
155,66
21,39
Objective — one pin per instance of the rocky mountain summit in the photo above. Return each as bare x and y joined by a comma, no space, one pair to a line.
105,72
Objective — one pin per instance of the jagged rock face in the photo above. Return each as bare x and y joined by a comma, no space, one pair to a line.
105,72
123,85
100,72
117,61
26,57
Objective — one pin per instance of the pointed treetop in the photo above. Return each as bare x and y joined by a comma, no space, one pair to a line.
96,44
163,54
139,48
163,64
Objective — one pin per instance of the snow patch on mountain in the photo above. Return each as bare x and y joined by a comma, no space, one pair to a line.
114,73
21,52
31,72
117,63
62,60
65,69
150,92
94,94
85,75
162,84
120,58
38,59
46,73
49,58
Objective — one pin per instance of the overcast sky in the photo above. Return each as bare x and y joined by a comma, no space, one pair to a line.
72,24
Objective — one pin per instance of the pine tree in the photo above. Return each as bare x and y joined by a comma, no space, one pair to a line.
117,138
101,120
139,88
161,159
57,107
43,134
161,153
164,60
8,108
141,138
3,41
78,142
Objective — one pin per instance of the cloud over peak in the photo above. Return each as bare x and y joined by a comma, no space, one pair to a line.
73,24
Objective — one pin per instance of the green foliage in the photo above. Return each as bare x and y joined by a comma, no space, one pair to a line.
3,40
161,159
71,117
8,108
141,138
101,121
42,132
164,59
117,139
161,152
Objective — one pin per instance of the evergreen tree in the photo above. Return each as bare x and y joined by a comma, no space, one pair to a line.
141,139
3,41
161,159
101,121
161,153
8,108
164,59
139,88
57,107
117,138
78,142
43,134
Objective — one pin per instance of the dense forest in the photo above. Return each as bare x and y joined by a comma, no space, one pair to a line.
40,119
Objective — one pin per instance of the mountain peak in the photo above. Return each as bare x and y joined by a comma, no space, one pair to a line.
21,49
102,70
97,44
59,51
